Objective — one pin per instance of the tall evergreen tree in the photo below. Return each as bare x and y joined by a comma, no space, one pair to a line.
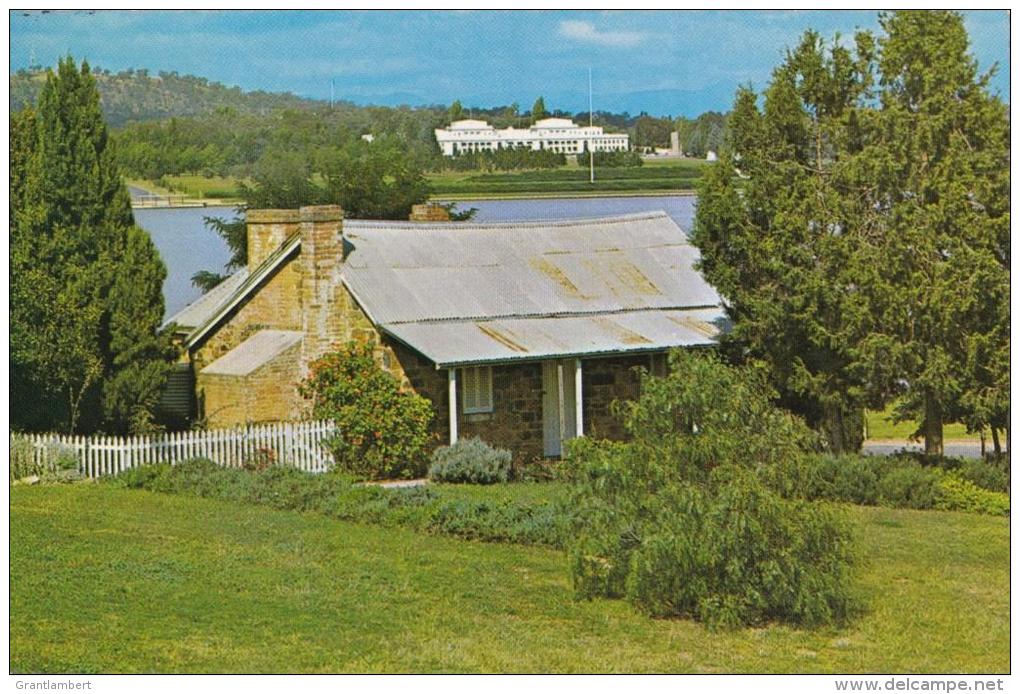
859,230
936,269
538,111
71,245
775,243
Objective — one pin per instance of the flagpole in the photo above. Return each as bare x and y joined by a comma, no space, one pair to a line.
591,124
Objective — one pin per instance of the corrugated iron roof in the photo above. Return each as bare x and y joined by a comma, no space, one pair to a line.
257,351
201,309
456,343
403,272
472,293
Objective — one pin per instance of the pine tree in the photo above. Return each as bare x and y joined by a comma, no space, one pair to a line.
859,230
73,243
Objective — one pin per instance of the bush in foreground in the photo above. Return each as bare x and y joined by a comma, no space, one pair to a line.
383,431
679,520
470,461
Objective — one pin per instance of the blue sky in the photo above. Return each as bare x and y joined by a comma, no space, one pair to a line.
678,62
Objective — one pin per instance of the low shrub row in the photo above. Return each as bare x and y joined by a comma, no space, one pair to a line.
420,508
974,486
470,461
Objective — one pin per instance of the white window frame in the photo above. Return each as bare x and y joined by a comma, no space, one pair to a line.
475,389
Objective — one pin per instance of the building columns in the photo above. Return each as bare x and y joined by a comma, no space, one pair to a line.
453,404
578,406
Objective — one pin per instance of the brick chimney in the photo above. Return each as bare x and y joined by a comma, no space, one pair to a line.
322,247
267,230
429,212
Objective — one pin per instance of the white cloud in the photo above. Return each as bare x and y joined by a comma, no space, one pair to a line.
586,31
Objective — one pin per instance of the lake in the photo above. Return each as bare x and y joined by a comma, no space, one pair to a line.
188,245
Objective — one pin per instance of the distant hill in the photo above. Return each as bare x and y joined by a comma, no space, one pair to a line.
136,95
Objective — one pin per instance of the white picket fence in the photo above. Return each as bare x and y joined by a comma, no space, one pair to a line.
298,444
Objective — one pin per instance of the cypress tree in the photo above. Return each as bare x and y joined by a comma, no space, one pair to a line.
86,283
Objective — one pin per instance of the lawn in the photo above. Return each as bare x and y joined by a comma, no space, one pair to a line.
881,426
112,580
202,187
676,176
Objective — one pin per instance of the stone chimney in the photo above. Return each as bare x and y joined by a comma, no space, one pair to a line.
267,230
429,212
322,248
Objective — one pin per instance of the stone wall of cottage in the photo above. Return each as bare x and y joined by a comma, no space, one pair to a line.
605,380
516,421
276,305
305,294
268,394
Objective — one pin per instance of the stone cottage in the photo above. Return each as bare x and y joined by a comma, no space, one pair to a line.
521,333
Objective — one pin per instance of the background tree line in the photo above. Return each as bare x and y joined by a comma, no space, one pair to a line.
857,225
170,124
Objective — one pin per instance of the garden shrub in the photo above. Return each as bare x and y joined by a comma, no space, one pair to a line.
382,431
539,524
956,493
337,496
681,521
988,474
909,485
470,461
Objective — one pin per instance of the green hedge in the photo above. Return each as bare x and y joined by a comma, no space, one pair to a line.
895,481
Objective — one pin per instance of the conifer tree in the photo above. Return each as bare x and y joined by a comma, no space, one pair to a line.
935,272
86,290
538,111
859,230
773,230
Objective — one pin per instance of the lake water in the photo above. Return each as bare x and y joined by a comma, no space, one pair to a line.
188,245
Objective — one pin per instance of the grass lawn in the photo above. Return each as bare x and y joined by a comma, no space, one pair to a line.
881,426
111,580
201,187
662,178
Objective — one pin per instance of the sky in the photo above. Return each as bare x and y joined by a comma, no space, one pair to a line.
675,62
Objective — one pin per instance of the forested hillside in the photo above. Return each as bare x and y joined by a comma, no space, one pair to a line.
137,95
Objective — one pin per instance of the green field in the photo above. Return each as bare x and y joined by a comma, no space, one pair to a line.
111,580
881,426
660,178
202,187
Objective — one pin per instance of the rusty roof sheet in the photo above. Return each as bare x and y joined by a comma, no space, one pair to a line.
408,272
255,352
460,342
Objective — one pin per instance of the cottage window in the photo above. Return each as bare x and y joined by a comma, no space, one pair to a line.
476,385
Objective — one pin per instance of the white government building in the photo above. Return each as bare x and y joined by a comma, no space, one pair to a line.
556,134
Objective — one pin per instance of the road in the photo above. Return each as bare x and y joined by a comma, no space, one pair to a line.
955,449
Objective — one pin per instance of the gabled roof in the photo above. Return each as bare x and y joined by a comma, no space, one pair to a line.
200,310
462,293
403,271
241,285
254,353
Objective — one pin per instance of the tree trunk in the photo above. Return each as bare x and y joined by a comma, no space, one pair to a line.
996,446
843,428
932,426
